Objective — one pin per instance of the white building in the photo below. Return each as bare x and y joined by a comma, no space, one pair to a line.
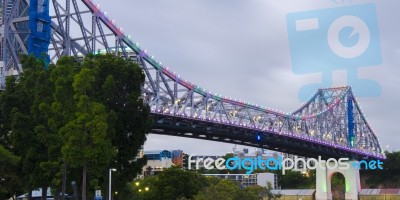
158,160
264,154
246,180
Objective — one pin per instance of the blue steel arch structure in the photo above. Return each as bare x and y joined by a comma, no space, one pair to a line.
25,29
330,124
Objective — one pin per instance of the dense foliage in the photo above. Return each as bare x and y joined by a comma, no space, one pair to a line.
72,119
388,177
174,183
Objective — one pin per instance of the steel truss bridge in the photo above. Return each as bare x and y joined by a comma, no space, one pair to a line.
330,124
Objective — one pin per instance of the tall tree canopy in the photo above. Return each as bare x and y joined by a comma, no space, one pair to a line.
172,183
118,86
89,117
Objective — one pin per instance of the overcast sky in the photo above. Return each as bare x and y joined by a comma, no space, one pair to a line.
240,49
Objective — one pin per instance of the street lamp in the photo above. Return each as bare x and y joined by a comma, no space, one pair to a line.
109,182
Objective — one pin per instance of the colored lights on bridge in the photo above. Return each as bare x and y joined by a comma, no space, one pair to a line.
241,104
302,137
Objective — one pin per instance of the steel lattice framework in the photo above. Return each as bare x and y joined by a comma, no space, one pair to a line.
330,124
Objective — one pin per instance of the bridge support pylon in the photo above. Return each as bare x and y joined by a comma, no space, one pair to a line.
324,173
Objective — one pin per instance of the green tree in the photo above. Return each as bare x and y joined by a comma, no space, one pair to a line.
86,139
9,182
296,180
224,189
10,177
267,193
112,86
23,123
61,111
89,117
171,184
230,190
118,86
388,177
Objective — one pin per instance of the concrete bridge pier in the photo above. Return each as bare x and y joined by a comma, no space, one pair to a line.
324,173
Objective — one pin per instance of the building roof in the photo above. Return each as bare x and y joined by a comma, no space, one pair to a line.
229,174
161,150
153,151
294,192
205,157
380,191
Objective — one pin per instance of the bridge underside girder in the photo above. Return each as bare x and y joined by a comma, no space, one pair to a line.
199,129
